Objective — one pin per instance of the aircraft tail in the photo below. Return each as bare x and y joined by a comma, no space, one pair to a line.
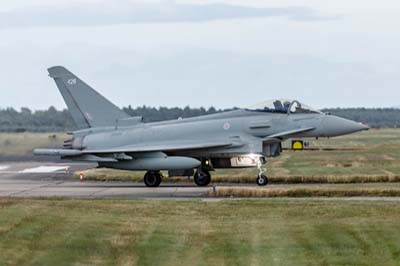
87,107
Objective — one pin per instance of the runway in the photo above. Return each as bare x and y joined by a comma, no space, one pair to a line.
49,179
38,179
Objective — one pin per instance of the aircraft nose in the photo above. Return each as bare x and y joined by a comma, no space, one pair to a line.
337,126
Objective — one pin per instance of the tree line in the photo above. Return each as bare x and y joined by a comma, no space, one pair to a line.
53,120
374,117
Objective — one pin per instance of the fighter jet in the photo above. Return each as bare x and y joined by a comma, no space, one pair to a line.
242,138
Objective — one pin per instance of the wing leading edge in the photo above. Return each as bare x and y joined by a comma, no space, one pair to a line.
154,147
162,146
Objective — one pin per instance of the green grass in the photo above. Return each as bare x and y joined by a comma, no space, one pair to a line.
22,144
376,152
131,232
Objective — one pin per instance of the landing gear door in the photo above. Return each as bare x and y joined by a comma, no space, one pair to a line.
272,149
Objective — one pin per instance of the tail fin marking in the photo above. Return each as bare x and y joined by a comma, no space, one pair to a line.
87,107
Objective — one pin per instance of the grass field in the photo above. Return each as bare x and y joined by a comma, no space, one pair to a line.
22,144
372,156
228,232
131,232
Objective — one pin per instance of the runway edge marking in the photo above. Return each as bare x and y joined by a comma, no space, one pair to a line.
4,167
44,169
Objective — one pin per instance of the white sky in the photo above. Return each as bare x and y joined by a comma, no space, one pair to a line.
349,57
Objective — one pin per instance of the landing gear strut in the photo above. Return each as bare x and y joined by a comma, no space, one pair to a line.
153,179
202,177
262,179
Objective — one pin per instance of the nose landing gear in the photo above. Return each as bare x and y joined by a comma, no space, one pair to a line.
262,179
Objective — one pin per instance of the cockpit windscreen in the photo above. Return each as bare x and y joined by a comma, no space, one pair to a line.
284,106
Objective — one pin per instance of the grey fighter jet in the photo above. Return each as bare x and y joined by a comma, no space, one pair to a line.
185,147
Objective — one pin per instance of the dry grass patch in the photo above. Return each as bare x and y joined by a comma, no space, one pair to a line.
376,190
336,179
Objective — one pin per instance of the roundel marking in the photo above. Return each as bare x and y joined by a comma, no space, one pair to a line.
227,126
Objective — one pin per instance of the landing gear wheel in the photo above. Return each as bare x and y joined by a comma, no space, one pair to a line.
262,180
152,179
202,178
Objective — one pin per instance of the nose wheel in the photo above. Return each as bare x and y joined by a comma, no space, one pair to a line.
152,179
262,179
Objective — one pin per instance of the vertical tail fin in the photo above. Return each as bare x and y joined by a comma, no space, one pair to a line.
87,107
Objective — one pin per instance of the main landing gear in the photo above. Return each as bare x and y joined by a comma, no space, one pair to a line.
202,177
262,179
153,179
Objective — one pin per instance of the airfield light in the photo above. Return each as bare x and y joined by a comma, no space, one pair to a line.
81,177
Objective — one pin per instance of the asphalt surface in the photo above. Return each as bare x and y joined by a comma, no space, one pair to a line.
41,179
50,179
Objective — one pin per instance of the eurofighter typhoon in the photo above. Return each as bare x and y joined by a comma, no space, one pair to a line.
185,147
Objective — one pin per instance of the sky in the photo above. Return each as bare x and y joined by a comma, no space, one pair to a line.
340,53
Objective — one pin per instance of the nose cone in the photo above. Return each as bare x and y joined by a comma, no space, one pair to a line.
337,126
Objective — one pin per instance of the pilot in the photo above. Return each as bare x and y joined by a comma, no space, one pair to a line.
278,106
286,105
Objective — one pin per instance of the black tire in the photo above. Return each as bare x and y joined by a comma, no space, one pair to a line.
262,180
152,179
202,178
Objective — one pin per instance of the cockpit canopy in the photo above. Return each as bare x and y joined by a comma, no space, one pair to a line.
284,106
